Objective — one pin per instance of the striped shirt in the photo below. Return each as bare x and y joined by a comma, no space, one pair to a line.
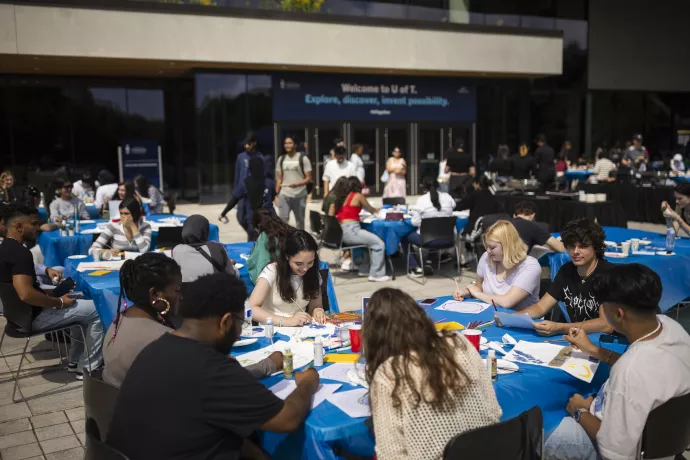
157,200
603,167
114,237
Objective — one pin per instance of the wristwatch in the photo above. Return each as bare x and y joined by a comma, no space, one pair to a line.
578,413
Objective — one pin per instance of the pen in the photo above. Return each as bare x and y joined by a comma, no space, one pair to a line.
494,304
440,321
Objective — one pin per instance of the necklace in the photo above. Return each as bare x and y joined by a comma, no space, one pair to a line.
589,273
658,326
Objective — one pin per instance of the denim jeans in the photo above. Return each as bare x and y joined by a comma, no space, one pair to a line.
84,313
296,204
354,235
569,441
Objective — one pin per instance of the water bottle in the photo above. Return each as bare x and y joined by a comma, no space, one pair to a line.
670,240
268,329
318,351
247,323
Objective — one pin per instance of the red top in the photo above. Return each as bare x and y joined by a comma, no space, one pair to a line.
347,211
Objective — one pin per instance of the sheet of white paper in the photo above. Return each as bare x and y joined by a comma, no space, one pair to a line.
643,253
354,403
102,265
507,338
467,306
283,389
510,320
87,221
307,332
580,366
336,371
258,332
577,364
302,353
91,231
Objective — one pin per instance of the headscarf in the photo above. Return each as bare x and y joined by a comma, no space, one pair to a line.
195,230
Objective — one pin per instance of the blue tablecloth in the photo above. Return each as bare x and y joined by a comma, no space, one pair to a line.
56,248
91,208
681,179
578,174
327,426
673,270
392,232
104,290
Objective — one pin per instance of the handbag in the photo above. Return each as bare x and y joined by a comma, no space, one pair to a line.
384,177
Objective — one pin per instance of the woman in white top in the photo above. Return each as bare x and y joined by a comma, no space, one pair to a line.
356,159
506,275
396,168
289,291
425,387
603,167
432,204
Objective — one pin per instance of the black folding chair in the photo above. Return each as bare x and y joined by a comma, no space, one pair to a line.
392,201
315,223
520,438
332,238
99,401
437,234
325,302
169,237
667,431
19,318
96,448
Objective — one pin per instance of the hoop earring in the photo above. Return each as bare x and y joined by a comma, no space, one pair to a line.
167,305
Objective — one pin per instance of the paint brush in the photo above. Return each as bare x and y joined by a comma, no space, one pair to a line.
457,286
494,304
439,321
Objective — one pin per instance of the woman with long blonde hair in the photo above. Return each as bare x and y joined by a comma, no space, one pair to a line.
425,386
506,275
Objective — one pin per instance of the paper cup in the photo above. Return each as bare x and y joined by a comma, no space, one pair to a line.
356,338
635,244
97,255
626,248
474,336
106,255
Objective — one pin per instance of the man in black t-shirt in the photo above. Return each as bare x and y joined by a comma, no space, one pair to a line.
584,241
530,232
461,168
183,397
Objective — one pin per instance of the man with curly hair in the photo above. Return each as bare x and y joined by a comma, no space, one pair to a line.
584,241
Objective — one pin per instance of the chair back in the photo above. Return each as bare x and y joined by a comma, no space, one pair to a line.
667,431
520,439
325,302
393,200
99,401
332,235
315,222
169,237
96,449
490,219
19,313
437,228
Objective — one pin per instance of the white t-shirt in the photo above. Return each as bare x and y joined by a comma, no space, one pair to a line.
334,171
525,275
103,191
274,303
647,375
442,174
424,209
359,166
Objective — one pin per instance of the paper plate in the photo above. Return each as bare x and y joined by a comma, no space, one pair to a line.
77,257
244,342
644,242
505,367
238,266
664,253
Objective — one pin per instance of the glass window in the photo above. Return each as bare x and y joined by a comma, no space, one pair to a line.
260,107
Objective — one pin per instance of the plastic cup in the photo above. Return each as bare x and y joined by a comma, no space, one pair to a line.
356,338
635,244
96,255
626,248
107,255
474,336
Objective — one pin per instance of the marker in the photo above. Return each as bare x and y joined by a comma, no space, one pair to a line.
494,304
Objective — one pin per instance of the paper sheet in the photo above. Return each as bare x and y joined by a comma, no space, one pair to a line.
354,403
574,362
302,354
283,389
88,221
337,371
257,332
91,231
466,306
510,320
307,332
102,265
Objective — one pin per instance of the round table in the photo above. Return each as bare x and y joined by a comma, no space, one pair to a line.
56,248
327,426
392,232
578,174
673,270
681,178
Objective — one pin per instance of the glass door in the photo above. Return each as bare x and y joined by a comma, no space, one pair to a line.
398,137
368,138
324,139
431,146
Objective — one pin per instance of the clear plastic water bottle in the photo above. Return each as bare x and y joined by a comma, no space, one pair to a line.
247,323
670,239
268,329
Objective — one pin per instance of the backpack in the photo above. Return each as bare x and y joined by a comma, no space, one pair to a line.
310,184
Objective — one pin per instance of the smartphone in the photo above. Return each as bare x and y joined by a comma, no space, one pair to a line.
427,302
65,287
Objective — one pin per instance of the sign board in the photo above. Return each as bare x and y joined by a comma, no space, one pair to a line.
343,97
141,157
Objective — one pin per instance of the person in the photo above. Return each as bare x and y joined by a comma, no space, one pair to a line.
443,177
147,190
342,185
461,168
544,157
678,165
241,172
64,205
17,268
254,192
584,241
561,167
108,186
603,168
129,234
337,142
183,397
523,164
84,186
356,160
680,218
7,187
197,256
480,202
530,232
32,198
653,370
506,275
289,291
335,169
425,386
431,204
396,168
636,155
347,208
125,189
570,154
293,173
272,234
502,165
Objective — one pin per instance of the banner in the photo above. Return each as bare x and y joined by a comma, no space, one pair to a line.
141,157
343,97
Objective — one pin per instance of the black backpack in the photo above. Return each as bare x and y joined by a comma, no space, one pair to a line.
310,184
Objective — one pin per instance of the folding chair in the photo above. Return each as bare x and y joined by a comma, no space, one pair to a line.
96,448
169,237
436,233
392,201
99,400
667,431
315,223
332,238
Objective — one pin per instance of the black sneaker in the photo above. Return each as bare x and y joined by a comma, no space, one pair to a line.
428,270
72,367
